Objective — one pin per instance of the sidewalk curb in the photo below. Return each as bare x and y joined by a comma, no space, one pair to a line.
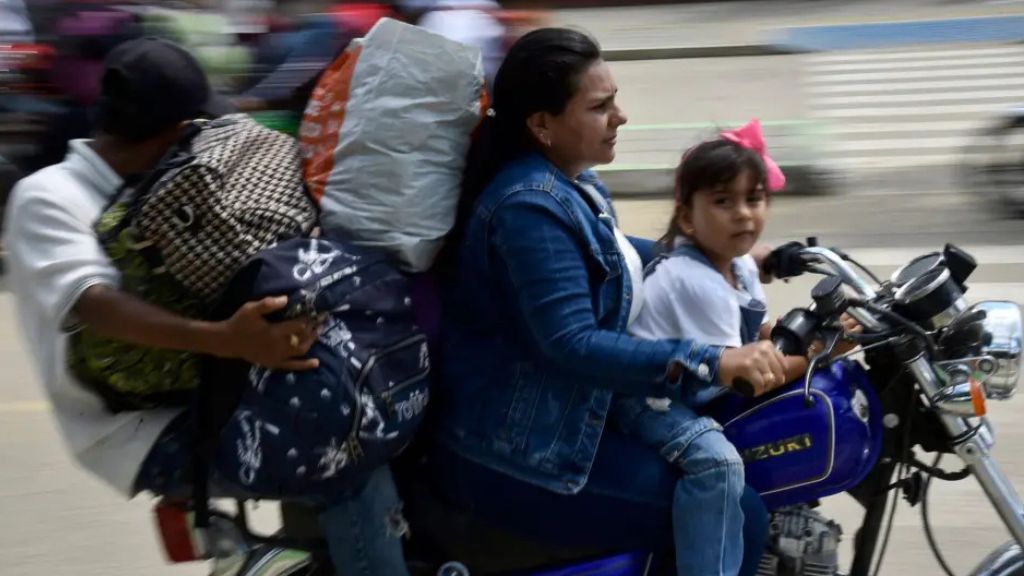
681,52
655,183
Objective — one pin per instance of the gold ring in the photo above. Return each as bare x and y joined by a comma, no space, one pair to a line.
294,341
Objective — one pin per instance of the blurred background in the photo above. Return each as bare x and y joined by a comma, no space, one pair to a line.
900,125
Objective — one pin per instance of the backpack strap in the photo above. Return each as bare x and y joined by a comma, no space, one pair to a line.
685,250
175,158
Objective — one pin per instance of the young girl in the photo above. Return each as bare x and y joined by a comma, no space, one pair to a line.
705,286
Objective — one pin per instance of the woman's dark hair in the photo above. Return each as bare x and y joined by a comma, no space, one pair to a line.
709,166
541,73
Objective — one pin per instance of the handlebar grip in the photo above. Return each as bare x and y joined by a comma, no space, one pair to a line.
743,387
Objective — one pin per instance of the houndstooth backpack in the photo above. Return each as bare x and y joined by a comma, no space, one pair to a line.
231,189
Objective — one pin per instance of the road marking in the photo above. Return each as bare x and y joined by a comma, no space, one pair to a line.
27,407
888,87
912,127
911,110
1002,95
888,54
899,144
1009,71
946,64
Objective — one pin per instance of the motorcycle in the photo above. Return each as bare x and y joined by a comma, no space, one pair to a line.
927,365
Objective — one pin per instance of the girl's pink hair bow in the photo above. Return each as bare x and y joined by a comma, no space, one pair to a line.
750,136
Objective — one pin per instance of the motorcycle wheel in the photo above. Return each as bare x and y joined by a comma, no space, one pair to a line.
1006,560
274,561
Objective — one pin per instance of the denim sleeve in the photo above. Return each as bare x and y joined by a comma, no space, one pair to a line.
548,272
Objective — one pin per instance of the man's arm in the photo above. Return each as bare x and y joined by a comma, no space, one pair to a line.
122,316
58,267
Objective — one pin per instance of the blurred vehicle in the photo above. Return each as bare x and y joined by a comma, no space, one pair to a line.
15,23
993,165
26,98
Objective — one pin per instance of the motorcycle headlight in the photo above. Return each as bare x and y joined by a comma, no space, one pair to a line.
1003,323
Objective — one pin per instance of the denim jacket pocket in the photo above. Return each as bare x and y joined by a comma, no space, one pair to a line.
522,407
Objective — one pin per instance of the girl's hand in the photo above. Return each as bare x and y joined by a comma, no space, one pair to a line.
760,254
843,346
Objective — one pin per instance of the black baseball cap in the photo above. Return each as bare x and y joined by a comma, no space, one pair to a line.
150,84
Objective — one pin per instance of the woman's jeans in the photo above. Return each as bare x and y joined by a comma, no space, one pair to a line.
363,528
634,499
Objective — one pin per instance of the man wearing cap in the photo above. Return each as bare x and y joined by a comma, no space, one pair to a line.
62,279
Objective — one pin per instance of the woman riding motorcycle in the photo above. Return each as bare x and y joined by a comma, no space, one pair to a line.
541,288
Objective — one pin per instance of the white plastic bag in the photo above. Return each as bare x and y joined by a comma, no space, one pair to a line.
385,138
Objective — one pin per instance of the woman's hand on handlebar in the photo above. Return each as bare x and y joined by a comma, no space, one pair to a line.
760,364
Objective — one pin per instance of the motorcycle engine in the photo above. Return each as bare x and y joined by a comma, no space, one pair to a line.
801,542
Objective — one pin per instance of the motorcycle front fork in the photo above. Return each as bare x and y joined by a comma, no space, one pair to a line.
973,447
975,451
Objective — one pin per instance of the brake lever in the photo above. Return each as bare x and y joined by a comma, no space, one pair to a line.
832,338
745,388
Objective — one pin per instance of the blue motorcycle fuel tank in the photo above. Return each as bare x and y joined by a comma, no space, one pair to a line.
796,451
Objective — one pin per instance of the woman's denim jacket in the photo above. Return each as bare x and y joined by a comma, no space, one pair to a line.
534,342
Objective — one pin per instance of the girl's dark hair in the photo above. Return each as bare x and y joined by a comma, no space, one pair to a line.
709,166
541,73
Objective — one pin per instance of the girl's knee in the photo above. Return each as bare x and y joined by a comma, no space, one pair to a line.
712,451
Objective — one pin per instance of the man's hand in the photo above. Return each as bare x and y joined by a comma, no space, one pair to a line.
278,346
246,104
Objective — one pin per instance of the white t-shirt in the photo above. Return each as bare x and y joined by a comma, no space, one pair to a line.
684,298
634,264
53,257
